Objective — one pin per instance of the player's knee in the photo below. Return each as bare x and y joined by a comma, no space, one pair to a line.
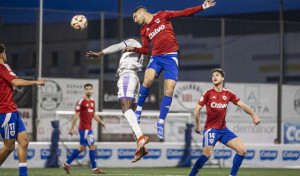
9,147
147,82
169,92
24,142
242,151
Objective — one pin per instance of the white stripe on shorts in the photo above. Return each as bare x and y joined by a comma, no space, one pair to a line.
206,137
6,120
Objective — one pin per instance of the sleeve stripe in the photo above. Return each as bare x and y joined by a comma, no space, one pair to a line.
125,43
80,101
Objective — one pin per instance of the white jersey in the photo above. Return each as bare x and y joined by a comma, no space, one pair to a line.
130,61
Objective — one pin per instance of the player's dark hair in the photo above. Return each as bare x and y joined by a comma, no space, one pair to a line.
219,70
138,8
87,85
2,47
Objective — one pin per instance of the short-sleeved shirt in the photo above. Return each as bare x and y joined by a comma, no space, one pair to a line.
7,102
216,106
86,108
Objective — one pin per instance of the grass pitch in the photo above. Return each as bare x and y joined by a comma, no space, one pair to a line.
154,172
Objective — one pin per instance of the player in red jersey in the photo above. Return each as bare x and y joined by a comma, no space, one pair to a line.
216,100
157,30
85,108
11,124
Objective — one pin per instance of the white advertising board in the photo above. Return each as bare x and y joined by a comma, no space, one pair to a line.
61,94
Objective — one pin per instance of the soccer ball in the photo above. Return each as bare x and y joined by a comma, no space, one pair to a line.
79,22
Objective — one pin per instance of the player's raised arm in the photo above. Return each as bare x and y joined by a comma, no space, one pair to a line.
97,118
75,117
197,118
249,111
192,10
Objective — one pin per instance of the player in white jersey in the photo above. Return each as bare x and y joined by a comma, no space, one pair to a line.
129,85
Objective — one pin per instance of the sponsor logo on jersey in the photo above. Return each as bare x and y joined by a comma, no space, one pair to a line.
153,154
250,154
30,154
174,153
291,133
126,153
45,153
156,31
104,153
222,154
80,156
218,105
290,155
196,153
90,110
268,154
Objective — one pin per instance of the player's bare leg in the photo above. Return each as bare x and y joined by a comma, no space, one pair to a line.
149,77
165,106
237,145
9,146
23,142
206,154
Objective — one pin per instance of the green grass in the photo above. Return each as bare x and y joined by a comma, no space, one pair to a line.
155,172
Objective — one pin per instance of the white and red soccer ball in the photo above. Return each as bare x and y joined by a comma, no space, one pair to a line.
79,22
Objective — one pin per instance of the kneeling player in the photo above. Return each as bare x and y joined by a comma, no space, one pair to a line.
216,100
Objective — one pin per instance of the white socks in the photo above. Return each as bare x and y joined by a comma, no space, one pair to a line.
131,118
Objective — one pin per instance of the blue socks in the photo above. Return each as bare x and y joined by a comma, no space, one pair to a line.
74,155
92,158
164,107
144,91
237,161
22,169
198,165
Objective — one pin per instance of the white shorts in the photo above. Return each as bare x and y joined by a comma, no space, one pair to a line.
129,86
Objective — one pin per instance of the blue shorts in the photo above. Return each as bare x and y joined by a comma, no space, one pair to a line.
168,62
211,136
86,137
10,125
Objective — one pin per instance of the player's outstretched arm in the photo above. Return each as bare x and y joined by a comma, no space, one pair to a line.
97,118
190,11
75,117
21,82
197,118
249,111
111,49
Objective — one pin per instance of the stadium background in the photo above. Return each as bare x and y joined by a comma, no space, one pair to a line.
242,37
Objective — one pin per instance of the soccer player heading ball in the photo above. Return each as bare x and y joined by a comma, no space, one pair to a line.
157,30
216,100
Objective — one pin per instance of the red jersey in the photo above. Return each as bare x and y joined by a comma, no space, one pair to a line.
159,32
7,102
216,106
86,108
